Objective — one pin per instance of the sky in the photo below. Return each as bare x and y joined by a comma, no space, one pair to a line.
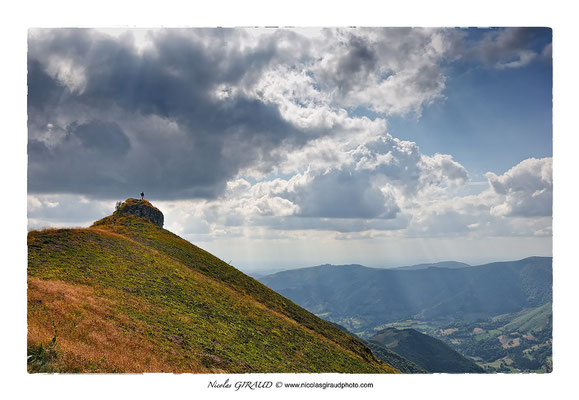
286,148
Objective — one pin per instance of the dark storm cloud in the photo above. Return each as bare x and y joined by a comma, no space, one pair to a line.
88,156
45,90
502,44
355,65
120,107
511,47
105,138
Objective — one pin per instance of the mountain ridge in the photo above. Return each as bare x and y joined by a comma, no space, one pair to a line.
440,264
361,298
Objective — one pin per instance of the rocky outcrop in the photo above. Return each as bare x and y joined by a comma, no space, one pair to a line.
143,209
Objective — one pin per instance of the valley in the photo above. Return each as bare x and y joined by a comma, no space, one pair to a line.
498,315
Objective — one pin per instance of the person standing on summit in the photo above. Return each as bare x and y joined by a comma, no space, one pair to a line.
142,196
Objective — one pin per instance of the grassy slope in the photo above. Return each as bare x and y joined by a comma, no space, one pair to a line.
199,260
531,320
127,296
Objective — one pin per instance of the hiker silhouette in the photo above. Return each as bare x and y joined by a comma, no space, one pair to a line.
142,196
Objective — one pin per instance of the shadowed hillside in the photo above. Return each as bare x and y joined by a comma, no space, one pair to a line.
425,351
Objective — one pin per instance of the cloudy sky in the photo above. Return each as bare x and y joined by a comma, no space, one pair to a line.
282,148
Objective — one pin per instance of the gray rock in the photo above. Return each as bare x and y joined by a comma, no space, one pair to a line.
143,209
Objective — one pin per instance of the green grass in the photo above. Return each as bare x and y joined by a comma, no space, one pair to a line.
198,259
489,334
191,311
531,320
42,357
505,363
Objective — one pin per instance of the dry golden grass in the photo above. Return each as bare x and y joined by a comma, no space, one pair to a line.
91,334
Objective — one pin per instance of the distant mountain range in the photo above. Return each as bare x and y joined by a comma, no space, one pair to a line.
362,298
258,274
442,264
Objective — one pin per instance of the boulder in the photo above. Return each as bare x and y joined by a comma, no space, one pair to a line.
143,209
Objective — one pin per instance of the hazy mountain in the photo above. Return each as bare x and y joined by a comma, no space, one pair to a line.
442,264
361,298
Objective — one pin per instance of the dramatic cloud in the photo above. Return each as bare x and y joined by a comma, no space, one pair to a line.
526,190
375,199
365,189
272,134
175,139
516,203
391,71
185,114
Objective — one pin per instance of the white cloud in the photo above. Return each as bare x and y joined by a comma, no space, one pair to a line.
526,190
516,203
275,206
442,170
359,199
343,187
391,71
346,187
65,210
